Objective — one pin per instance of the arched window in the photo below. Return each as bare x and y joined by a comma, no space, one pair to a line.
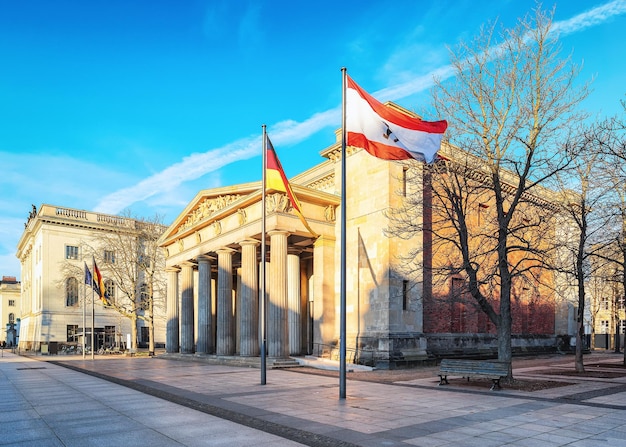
11,318
71,292
109,286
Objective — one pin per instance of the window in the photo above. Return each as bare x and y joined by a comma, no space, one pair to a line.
405,295
109,336
71,252
11,303
604,326
109,287
604,305
404,181
72,333
11,318
622,327
482,208
620,303
71,292
458,288
109,256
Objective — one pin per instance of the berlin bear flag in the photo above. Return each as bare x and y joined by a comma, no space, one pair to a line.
387,133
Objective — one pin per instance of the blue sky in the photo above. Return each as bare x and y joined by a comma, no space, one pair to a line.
138,105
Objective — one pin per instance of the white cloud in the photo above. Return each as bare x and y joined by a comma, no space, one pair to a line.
190,168
594,16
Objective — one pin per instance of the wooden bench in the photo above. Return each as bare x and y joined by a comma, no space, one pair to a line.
473,368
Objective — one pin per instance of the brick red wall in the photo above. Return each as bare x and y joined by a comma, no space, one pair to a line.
441,315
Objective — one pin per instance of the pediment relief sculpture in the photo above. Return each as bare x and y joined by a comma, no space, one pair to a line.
206,208
277,203
329,213
241,216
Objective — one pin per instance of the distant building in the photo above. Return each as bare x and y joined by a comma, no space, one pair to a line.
213,257
54,249
606,309
9,309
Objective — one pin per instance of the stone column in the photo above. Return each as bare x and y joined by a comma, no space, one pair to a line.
225,329
325,300
173,327
205,343
186,309
294,316
277,329
249,305
237,308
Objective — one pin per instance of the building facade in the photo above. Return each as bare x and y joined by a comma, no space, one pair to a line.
10,315
606,309
213,258
58,307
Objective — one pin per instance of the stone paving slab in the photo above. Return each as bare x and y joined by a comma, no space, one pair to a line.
304,408
43,404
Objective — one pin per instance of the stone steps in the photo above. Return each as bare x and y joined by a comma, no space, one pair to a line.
284,363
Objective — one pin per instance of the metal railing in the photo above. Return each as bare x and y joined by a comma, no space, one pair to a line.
353,355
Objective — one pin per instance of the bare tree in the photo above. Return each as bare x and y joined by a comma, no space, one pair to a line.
509,107
610,137
133,266
583,193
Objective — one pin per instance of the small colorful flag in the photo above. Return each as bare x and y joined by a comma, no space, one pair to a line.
275,179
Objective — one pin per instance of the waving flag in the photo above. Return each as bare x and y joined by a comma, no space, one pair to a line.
98,285
276,180
387,133
88,277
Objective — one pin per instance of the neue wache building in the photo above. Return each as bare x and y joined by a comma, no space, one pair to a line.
213,256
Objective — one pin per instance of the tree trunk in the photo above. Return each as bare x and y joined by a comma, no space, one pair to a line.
133,333
505,353
150,330
580,314
580,333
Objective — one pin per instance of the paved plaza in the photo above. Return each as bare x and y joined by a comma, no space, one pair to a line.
142,401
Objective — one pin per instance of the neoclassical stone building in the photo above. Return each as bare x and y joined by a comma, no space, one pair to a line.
56,244
10,305
213,257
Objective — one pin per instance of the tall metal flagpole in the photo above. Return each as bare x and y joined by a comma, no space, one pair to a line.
84,311
263,255
93,311
342,330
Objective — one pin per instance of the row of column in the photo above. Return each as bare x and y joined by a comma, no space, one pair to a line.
283,307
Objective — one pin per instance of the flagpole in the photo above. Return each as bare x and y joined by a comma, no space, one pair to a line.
342,330
84,311
93,312
263,256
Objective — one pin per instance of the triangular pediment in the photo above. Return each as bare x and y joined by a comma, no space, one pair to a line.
209,203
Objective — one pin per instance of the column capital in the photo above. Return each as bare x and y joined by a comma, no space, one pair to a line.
188,264
172,269
249,242
277,232
225,251
205,258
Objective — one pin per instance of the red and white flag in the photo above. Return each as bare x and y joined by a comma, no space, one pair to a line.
387,133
